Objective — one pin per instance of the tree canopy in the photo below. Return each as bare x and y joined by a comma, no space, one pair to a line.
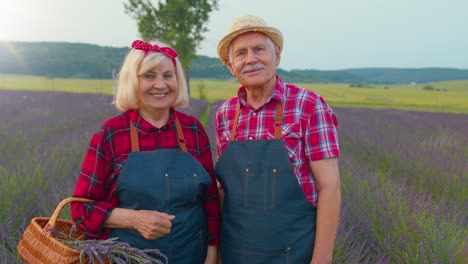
179,23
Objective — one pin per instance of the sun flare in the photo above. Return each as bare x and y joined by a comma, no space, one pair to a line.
17,19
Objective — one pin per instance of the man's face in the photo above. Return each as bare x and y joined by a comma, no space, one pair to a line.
253,60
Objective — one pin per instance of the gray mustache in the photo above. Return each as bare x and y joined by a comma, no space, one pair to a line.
252,67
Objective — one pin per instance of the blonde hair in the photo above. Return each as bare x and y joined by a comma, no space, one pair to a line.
137,64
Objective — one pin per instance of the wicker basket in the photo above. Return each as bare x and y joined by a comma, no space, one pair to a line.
38,245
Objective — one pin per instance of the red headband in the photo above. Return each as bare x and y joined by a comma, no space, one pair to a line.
147,48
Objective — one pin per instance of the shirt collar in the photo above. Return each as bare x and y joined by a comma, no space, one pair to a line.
278,93
144,126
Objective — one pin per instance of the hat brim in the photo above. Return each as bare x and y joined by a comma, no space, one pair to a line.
271,32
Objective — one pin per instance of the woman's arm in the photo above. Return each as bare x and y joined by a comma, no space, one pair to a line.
211,196
150,224
93,183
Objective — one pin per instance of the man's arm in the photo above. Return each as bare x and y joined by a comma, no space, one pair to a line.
211,254
327,176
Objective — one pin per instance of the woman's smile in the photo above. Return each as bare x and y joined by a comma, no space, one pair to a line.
158,94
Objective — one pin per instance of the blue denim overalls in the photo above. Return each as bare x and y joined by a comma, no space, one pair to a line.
168,181
265,217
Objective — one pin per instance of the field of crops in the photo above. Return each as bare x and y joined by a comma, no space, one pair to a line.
450,96
404,173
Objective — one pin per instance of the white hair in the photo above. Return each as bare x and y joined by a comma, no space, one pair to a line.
269,42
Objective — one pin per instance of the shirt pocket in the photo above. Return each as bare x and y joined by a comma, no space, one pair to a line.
224,138
292,137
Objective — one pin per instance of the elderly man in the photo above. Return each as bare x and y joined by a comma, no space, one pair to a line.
277,149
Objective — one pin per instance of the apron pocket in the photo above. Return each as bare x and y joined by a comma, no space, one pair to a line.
260,188
183,188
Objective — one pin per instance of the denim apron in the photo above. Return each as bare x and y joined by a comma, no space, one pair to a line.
265,217
168,181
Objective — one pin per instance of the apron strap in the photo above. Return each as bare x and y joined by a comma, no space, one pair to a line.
134,138
279,117
136,145
279,120
180,135
234,126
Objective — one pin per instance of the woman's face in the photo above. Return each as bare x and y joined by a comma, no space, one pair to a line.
158,88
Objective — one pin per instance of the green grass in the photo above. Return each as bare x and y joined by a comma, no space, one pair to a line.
395,96
412,97
451,97
35,83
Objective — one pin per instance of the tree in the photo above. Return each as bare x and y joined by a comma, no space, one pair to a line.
179,23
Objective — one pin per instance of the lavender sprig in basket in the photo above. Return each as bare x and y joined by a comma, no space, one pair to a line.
104,250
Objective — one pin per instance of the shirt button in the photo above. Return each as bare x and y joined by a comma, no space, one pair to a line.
250,138
254,113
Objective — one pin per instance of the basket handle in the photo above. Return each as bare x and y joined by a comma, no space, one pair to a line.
60,206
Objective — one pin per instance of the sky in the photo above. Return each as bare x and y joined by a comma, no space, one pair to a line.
318,34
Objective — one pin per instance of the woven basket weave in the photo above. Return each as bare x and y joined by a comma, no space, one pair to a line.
38,244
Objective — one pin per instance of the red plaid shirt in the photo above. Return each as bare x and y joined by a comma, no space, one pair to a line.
309,128
109,149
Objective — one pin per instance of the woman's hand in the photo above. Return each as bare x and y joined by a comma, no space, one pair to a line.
150,224
153,224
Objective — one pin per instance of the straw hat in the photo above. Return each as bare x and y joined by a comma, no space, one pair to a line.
245,24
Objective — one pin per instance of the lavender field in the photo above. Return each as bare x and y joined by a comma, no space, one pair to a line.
404,174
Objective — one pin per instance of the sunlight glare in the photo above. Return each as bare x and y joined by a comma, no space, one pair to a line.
16,19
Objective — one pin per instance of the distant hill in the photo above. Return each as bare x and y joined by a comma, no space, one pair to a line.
408,75
78,60
60,60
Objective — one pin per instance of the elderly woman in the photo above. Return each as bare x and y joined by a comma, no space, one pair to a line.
149,170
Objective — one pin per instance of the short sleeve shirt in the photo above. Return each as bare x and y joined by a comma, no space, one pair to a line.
309,129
